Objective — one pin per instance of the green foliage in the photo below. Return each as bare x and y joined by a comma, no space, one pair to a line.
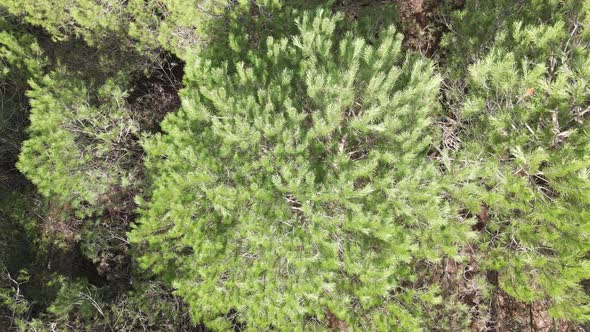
80,305
23,259
525,152
91,20
13,304
179,26
20,60
19,52
317,176
293,185
76,151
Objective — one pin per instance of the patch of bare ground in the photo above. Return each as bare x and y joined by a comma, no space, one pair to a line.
417,19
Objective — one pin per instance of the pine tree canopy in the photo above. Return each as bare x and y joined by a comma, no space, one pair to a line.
76,146
295,184
294,165
526,158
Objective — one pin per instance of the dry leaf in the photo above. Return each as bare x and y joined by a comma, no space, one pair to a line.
529,92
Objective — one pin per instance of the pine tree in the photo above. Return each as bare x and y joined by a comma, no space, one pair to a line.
20,60
293,191
78,146
138,27
524,152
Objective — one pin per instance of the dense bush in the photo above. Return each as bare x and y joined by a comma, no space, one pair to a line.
20,59
316,168
294,185
179,26
77,152
523,145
